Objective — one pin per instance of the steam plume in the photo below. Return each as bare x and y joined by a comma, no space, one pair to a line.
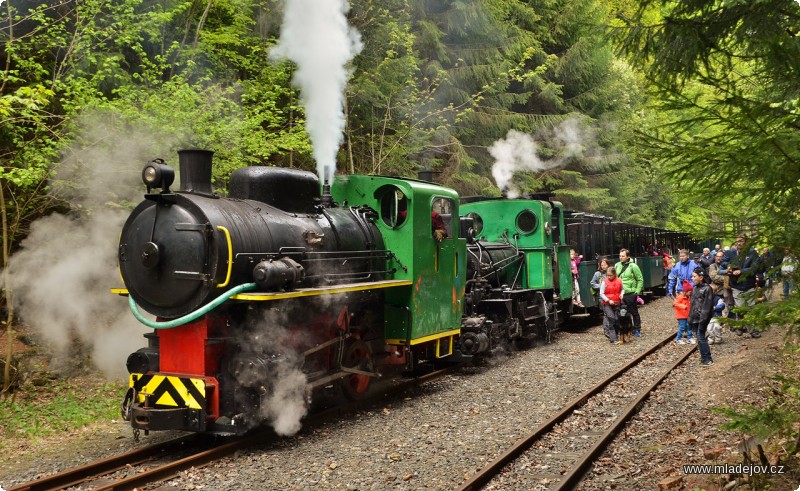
315,35
62,274
285,406
520,151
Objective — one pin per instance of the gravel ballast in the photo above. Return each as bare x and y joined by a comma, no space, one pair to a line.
439,435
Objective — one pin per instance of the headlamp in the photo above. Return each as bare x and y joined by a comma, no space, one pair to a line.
156,174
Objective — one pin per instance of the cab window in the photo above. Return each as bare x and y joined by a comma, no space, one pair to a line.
442,216
527,222
394,207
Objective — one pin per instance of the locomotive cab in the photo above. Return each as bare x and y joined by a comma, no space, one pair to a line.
419,224
518,271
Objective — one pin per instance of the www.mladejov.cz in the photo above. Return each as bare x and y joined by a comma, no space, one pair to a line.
743,469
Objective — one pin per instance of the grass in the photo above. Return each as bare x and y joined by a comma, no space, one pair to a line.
60,406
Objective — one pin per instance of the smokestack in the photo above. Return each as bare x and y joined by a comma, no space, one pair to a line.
195,169
326,200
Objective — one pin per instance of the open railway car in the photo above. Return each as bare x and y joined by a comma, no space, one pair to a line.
596,236
336,286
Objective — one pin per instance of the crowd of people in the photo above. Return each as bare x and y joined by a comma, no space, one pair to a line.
704,287
619,288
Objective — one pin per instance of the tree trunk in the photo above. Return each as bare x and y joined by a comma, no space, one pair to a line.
7,293
201,22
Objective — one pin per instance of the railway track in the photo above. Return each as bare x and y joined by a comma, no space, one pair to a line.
558,453
142,467
159,462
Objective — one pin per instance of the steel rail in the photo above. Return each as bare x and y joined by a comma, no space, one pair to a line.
201,459
481,478
579,468
171,469
98,469
76,475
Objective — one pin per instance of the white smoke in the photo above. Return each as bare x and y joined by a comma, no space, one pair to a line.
62,274
316,36
286,405
61,279
570,137
520,152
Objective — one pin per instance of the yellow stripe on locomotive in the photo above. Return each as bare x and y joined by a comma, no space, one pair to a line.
169,391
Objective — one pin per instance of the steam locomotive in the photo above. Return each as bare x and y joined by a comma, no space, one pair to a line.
347,283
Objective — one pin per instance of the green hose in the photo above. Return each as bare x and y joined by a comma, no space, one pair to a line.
191,316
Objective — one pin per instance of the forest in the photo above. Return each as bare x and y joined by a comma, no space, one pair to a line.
678,114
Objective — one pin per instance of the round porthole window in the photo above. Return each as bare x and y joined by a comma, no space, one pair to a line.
526,222
477,222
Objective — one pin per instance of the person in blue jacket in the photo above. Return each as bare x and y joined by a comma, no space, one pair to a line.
682,271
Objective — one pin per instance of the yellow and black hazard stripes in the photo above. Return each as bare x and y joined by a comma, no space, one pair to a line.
168,390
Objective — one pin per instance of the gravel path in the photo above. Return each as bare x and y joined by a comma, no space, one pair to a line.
437,435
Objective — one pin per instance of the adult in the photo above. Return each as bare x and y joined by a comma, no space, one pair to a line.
438,228
700,261
729,254
788,267
742,267
633,282
596,283
769,262
718,248
682,271
611,294
718,280
708,258
700,312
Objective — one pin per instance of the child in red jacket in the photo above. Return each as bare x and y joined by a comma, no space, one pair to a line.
681,305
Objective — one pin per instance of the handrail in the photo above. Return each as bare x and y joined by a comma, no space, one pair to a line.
230,256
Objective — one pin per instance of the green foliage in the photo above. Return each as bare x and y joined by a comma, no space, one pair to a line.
725,80
725,77
186,74
436,83
59,406
385,119
780,415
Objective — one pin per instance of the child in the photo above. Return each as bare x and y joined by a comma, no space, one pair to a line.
714,327
611,292
575,259
681,305
700,312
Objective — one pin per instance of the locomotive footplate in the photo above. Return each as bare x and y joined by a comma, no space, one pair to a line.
165,402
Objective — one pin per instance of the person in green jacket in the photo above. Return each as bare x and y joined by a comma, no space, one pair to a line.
633,282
